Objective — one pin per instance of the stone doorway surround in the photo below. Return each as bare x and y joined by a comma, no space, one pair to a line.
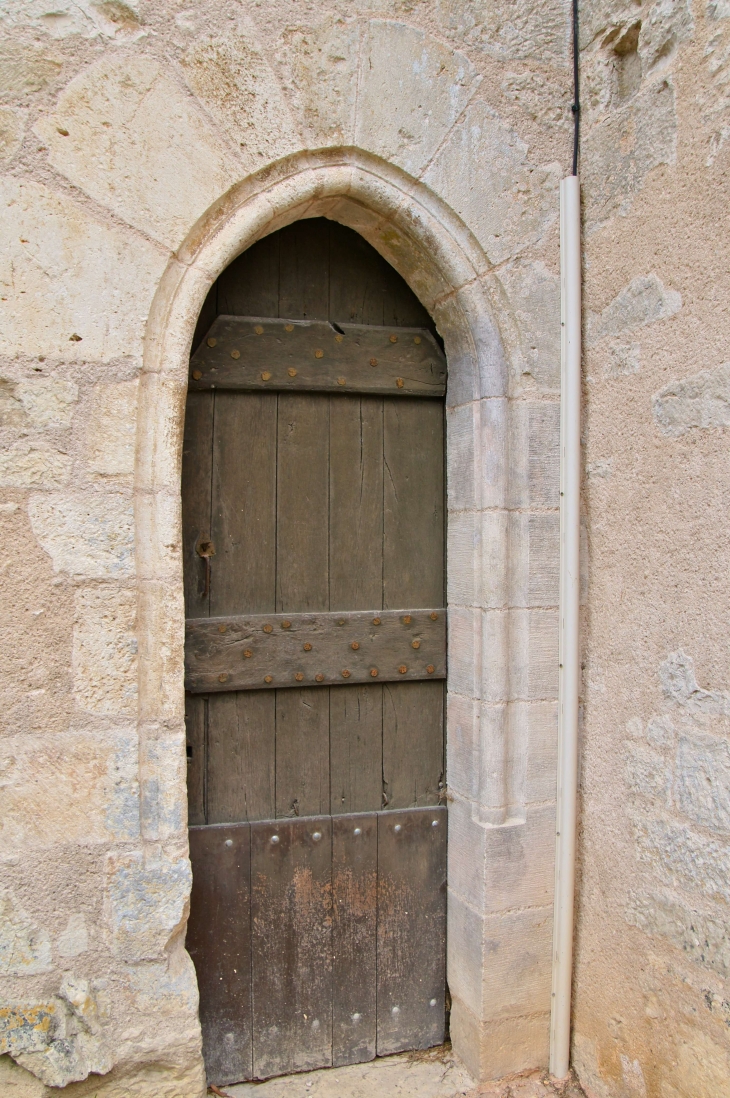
502,567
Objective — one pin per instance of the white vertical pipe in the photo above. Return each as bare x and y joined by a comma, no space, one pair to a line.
569,658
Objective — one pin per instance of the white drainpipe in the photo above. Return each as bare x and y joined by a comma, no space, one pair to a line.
569,658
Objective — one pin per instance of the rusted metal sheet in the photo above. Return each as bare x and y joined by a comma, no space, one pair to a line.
354,937
260,651
245,353
219,942
411,929
291,954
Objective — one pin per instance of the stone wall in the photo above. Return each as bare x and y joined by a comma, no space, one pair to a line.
144,146
652,1006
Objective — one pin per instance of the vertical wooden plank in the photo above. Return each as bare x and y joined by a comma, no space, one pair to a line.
354,938
219,942
243,569
302,751
195,719
250,285
291,902
356,503
413,743
356,749
413,555
302,551
241,756
411,929
196,499
304,271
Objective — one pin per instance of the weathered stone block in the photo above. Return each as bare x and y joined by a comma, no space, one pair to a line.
534,454
112,429
25,947
464,632
462,717
65,274
533,340
644,301
700,401
477,559
648,774
507,31
425,84
12,129
679,854
702,780
105,650
321,64
27,466
235,82
148,896
523,198
534,557
126,134
703,937
89,535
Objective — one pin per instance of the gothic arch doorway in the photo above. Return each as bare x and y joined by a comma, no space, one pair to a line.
313,521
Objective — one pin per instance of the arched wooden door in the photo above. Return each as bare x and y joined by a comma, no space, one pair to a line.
313,514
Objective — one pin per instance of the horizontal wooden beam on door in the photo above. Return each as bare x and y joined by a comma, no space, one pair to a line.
244,353
261,651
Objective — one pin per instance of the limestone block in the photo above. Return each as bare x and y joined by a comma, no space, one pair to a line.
534,559
16,1082
538,724
700,401
12,128
235,82
25,947
48,401
679,854
534,449
533,648
584,1058
477,569
702,1067
462,718
111,431
464,629
541,99
475,301
148,896
105,650
64,274
619,152
462,432
532,295
111,19
495,646
699,935
520,861
483,172
467,853
622,360
517,966
74,940
702,780
26,68
25,465
644,301
163,773
508,31
139,145
494,1049
88,791
320,65
85,535
426,86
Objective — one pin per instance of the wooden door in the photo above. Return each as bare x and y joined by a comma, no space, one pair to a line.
313,513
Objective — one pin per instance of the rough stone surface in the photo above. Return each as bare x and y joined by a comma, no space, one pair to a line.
89,536
700,401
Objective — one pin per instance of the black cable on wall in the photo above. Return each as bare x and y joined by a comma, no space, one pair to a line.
575,107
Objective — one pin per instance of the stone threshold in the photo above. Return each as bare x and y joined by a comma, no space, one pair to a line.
436,1073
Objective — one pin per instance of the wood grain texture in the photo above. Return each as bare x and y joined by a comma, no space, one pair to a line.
291,903
241,757
304,272
354,938
243,525
250,285
302,543
411,929
413,556
240,652
413,744
258,353
196,499
356,503
195,745
302,752
356,749
219,942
